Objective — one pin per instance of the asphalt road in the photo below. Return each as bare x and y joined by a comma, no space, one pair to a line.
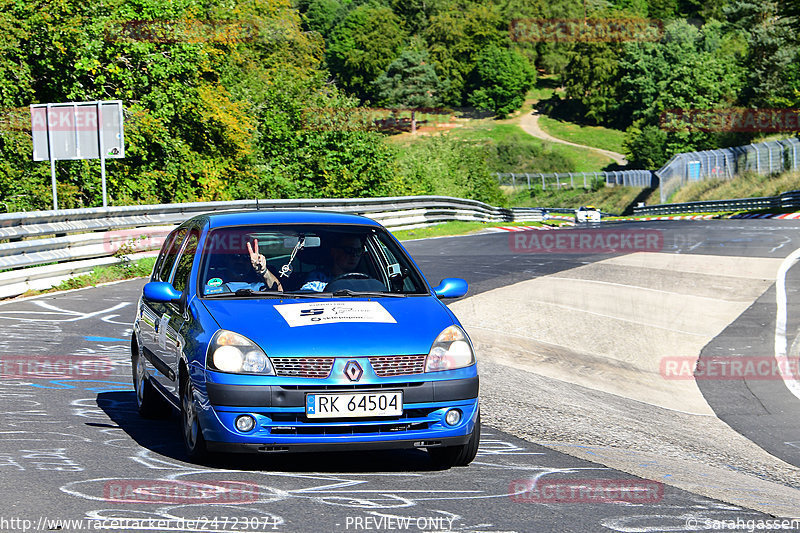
75,449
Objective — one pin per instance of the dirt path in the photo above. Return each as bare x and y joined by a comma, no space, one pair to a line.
529,122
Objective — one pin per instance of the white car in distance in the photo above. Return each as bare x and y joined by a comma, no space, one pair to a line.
587,213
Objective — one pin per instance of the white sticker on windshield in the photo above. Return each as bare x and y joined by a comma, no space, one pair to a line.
331,312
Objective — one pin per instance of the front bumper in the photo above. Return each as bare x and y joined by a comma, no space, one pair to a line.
282,425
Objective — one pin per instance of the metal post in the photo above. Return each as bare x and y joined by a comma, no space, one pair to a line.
558,183
52,159
758,159
571,181
513,183
542,181
527,176
769,159
102,150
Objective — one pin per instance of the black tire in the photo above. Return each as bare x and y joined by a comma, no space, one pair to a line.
463,455
192,433
149,402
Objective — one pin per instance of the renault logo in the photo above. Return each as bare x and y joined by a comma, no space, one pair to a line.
353,370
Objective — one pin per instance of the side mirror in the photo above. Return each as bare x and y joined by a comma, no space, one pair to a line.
451,288
161,292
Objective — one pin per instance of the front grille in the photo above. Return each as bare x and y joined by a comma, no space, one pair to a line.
397,365
303,367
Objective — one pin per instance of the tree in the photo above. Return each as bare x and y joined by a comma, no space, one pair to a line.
502,78
362,45
591,77
410,82
456,36
770,28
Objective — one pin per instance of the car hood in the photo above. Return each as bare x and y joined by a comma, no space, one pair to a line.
350,327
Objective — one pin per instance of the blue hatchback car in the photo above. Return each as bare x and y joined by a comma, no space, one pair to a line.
281,331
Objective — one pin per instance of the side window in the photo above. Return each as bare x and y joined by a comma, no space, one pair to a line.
397,269
162,274
185,263
162,256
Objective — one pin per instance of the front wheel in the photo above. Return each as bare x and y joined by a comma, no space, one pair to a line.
458,455
149,402
190,424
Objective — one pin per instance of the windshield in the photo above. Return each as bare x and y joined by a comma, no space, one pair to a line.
275,260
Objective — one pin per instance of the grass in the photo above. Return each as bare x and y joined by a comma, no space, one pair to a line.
104,274
744,186
596,136
579,159
607,199
456,227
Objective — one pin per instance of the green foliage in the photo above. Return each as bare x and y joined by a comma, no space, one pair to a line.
502,79
409,81
446,166
456,36
693,69
362,45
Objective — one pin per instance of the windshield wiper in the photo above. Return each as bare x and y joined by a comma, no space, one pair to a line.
348,292
256,294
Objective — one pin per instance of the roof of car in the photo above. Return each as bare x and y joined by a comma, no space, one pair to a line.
275,216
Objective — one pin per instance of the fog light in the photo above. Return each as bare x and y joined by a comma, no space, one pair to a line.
245,423
452,417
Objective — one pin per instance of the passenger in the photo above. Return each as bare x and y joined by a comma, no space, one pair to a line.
259,263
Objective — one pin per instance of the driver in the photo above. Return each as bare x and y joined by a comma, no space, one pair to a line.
345,252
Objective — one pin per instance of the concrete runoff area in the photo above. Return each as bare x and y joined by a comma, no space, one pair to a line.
591,340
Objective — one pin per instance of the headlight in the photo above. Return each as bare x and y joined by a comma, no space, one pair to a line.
450,350
231,352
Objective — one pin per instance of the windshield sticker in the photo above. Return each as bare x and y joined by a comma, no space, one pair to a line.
332,312
214,282
214,290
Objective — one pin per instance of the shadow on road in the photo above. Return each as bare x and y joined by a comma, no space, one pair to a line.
163,437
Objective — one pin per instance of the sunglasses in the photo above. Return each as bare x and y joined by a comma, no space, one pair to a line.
350,250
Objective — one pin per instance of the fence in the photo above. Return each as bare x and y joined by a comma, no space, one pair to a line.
726,163
42,248
630,178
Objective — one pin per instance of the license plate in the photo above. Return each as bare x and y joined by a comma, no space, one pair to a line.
354,404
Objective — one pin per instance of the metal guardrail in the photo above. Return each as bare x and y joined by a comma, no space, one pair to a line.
78,240
787,200
561,180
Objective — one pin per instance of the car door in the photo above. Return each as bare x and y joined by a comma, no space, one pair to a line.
173,315
151,312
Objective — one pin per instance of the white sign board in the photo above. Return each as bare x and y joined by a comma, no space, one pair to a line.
77,130
333,312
